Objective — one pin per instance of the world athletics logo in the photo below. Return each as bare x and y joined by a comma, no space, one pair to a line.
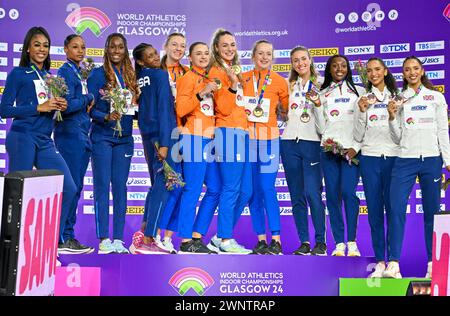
81,19
191,278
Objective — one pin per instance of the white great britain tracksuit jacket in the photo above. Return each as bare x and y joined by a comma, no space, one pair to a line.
421,126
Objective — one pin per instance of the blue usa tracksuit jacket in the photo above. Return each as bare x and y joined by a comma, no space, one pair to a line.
71,136
111,158
156,123
29,143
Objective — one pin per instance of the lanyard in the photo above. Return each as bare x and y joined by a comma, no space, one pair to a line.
332,87
118,81
39,75
75,70
416,93
205,76
255,86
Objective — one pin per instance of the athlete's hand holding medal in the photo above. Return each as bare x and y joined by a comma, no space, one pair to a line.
394,105
314,96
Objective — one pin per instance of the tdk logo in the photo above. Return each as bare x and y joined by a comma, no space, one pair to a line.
419,108
342,100
394,48
359,50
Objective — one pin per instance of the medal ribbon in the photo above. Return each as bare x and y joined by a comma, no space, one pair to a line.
261,96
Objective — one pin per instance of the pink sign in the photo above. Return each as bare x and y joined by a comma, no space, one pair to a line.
74,280
38,243
440,283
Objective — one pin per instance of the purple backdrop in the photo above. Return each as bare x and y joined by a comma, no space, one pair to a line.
391,31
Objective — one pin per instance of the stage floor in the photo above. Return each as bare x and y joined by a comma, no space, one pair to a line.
219,275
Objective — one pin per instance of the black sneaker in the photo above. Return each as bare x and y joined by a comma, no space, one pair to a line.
303,250
320,249
275,248
73,246
261,248
194,247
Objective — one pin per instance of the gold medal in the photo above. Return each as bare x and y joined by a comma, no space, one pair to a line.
236,69
258,111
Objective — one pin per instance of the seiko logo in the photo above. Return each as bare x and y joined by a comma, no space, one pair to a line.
419,108
144,81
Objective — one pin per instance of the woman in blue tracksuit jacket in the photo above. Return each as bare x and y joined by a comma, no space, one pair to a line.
156,123
71,134
112,152
29,143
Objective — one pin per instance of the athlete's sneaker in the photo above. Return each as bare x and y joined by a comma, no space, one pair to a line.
194,246
320,249
352,249
151,248
392,271
168,245
303,250
231,247
138,239
429,270
214,244
339,251
261,248
275,248
379,270
118,246
73,246
106,247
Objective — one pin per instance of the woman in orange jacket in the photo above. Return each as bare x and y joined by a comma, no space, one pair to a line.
194,104
231,142
264,90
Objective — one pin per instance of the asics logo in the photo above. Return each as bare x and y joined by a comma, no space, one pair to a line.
314,163
436,180
128,156
271,156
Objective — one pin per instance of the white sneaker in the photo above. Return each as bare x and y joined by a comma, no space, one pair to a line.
379,269
339,251
392,271
353,249
214,244
167,244
429,270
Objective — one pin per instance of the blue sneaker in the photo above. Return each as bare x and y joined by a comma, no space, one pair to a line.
105,247
118,246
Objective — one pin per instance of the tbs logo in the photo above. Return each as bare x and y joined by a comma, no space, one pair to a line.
394,48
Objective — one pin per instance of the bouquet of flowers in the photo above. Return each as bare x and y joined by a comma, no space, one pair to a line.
56,87
445,184
330,145
88,66
117,97
173,179
361,69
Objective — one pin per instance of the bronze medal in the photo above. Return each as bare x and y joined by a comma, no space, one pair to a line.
371,98
305,117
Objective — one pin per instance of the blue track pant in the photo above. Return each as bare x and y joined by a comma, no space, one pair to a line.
404,173
301,161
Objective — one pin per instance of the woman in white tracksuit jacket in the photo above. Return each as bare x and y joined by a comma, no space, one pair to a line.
378,153
334,116
419,125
